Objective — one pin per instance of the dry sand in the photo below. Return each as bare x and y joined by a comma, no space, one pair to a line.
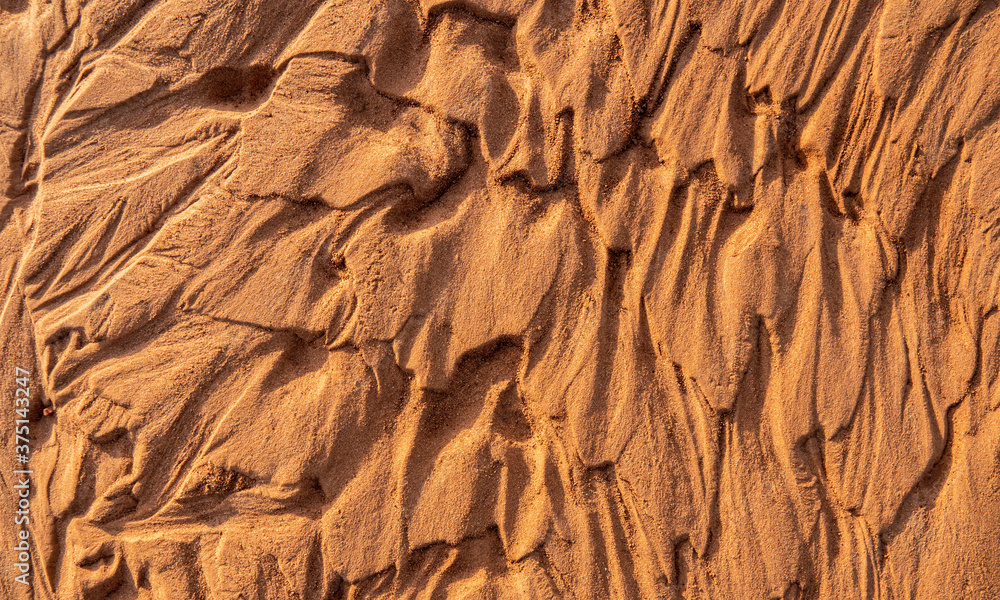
613,299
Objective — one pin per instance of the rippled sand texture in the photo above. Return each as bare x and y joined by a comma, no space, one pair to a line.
613,299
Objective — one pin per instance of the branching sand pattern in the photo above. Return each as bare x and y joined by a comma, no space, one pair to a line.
604,299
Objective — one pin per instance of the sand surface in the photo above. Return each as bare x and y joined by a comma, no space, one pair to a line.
500,299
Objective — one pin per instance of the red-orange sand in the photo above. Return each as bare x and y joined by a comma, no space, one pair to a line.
537,299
